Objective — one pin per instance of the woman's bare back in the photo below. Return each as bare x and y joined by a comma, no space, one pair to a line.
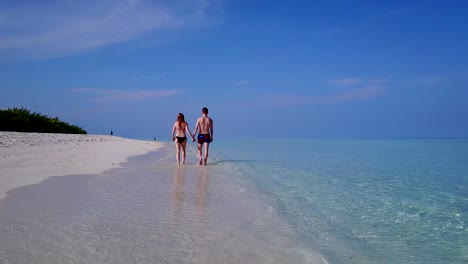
180,129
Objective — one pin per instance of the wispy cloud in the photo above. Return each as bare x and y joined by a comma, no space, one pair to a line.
425,81
242,82
335,30
378,81
64,27
295,81
396,12
117,95
145,77
358,94
345,82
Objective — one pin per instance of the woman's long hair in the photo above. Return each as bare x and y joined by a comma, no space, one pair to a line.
181,120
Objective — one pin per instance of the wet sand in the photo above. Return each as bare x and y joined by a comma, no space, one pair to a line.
29,158
147,211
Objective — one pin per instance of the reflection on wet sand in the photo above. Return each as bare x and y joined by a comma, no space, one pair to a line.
201,199
179,194
144,213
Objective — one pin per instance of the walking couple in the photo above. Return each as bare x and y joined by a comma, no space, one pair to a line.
204,128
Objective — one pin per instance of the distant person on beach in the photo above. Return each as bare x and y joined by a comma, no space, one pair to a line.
112,133
205,128
180,139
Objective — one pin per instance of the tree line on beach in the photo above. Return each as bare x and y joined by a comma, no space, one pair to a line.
23,120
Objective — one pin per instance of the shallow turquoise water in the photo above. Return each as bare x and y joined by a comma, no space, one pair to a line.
364,200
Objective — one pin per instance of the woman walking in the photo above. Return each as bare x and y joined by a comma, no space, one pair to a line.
180,138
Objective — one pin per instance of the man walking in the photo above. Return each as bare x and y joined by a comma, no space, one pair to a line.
205,128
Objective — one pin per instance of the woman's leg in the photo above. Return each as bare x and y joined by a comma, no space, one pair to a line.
177,145
184,145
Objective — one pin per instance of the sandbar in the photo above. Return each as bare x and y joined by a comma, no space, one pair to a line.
29,158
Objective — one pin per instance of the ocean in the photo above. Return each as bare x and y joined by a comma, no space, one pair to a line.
337,201
363,200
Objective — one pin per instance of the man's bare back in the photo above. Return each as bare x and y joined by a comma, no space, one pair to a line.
205,124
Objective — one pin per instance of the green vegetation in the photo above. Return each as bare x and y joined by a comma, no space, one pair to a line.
22,120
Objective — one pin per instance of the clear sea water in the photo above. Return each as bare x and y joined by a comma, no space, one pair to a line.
364,200
259,201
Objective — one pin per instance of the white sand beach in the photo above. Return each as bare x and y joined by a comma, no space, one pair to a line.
147,211
29,158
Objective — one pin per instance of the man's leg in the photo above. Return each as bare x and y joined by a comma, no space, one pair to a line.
207,147
200,154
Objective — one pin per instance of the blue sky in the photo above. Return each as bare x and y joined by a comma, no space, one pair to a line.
263,68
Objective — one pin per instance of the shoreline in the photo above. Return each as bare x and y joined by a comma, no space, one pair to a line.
30,158
189,214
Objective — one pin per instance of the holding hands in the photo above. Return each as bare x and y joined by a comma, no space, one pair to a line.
181,128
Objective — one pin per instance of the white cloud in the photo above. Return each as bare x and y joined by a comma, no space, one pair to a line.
145,77
357,94
425,81
345,82
242,82
117,95
295,81
396,12
66,27
378,81
335,30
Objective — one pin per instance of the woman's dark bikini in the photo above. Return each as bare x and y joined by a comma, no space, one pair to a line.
182,139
